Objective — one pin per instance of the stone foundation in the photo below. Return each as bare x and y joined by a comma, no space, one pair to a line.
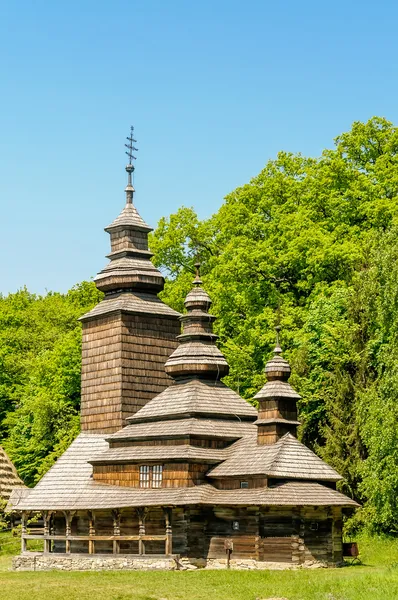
36,561
33,561
247,564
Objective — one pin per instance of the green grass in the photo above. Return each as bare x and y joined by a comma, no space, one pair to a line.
375,579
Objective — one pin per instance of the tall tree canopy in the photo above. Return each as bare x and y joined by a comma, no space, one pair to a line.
316,238
313,239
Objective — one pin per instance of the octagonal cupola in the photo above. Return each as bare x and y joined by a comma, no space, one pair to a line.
197,354
277,400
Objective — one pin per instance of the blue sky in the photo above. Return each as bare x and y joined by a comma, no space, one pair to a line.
213,88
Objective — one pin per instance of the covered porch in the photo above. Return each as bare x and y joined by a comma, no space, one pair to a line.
95,532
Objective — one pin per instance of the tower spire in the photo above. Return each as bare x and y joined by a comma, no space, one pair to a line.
130,167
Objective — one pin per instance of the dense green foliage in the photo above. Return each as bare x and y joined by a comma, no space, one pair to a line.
40,358
314,240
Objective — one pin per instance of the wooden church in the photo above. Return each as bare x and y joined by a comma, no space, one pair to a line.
172,467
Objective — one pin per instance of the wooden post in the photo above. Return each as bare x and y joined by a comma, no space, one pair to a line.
23,531
141,512
68,520
169,532
46,530
116,530
91,532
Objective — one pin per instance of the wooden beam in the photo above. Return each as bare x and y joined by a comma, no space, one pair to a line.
98,538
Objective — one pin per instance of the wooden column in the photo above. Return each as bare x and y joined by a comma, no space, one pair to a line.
46,530
23,531
68,521
169,531
116,530
91,531
142,513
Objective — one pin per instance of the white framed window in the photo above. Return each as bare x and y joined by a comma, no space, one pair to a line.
151,476
157,476
244,485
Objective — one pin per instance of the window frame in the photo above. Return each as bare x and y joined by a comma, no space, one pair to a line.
150,476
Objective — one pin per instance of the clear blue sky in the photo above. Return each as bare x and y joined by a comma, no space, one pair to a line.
214,89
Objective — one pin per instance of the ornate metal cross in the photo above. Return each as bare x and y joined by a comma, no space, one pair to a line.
130,146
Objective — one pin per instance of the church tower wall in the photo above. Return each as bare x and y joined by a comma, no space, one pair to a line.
127,337
123,358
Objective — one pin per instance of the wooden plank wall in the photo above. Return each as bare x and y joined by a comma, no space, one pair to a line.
278,409
219,526
101,374
174,474
147,342
123,358
229,483
126,238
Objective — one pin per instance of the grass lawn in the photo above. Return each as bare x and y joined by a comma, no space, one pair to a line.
375,579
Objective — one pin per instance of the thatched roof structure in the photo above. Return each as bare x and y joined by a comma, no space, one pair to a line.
9,478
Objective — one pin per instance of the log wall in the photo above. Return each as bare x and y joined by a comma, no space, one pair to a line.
267,534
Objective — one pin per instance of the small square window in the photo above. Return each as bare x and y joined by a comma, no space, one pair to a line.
244,485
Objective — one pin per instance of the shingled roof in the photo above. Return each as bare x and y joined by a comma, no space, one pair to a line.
129,217
137,454
205,428
68,485
191,397
197,404
9,477
134,303
288,458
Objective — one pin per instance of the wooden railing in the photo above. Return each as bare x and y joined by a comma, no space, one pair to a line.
91,539
92,536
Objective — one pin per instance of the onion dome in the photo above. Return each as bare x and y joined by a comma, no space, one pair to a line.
277,367
197,354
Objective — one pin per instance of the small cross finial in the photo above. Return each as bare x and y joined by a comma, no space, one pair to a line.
130,167
130,146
